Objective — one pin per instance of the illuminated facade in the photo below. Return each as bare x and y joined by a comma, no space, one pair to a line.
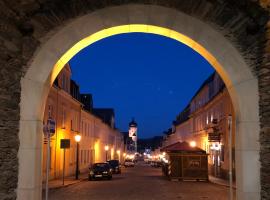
205,122
64,105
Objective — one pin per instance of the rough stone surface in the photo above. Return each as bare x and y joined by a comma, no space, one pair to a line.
25,23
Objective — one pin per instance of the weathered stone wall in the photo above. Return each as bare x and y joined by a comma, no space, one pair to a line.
264,93
24,24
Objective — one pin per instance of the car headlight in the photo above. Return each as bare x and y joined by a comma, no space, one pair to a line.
105,172
91,173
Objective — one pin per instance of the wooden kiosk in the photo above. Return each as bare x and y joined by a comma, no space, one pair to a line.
186,162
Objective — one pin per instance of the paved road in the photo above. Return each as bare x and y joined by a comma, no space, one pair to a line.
140,183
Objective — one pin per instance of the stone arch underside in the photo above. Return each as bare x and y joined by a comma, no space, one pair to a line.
28,27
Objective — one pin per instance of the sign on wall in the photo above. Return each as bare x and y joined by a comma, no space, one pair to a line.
64,143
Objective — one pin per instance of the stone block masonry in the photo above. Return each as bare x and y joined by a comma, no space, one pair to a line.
25,25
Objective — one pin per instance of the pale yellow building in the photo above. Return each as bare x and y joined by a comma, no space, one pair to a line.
72,117
205,122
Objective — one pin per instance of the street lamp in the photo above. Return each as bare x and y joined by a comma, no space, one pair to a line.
106,149
192,144
77,139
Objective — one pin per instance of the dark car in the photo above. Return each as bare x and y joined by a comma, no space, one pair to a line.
100,170
115,165
129,163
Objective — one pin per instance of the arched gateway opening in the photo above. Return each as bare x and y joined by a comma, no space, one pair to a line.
70,39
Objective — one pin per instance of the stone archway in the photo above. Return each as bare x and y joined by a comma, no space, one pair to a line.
64,44
237,70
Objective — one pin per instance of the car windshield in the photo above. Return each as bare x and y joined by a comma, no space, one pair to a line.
114,162
100,166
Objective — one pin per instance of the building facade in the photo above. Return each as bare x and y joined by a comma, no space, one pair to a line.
73,114
205,122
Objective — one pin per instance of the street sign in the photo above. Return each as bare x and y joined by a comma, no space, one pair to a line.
49,128
51,125
64,143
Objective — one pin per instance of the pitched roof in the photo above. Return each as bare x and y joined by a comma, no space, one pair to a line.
182,147
105,114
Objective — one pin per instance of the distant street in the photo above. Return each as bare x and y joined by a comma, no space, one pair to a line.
140,183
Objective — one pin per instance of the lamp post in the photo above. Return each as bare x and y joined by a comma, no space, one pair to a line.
106,150
77,139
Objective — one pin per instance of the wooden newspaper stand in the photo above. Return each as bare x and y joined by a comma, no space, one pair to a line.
186,162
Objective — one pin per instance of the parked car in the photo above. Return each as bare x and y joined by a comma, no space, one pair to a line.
156,163
128,163
116,166
100,170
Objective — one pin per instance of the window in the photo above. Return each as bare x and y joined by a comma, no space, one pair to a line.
63,81
81,157
84,157
63,118
82,127
50,111
222,153
66,87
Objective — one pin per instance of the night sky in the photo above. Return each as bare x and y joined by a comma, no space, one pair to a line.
145,76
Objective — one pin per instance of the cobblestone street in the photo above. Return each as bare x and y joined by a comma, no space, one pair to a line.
140,183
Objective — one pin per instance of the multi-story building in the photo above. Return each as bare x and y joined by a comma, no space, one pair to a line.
73,114
205,122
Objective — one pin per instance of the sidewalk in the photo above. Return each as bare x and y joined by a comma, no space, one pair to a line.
70,180
220,181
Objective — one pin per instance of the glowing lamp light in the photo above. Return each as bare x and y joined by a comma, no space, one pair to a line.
163,153
118,151
124,154
106,148
192,144
78,138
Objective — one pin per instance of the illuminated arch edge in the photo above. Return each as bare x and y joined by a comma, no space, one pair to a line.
138,28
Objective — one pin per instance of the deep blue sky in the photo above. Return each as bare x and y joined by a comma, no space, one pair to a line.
146,76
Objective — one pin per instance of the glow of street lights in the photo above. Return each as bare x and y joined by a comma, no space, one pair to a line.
106,148
118,151
192,144
78,138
